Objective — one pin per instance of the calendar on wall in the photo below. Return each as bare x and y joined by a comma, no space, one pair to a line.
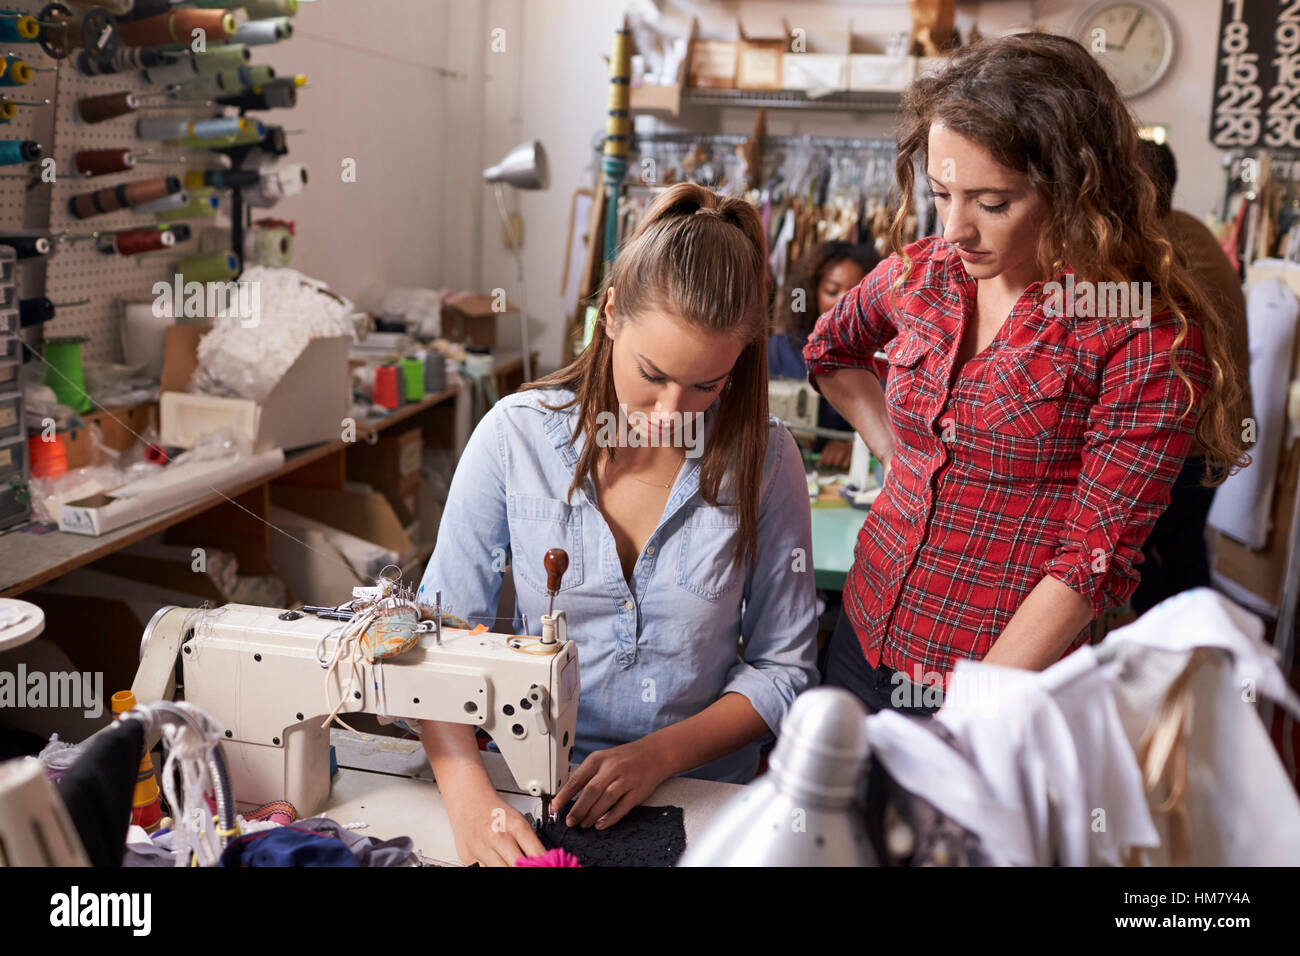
1257,76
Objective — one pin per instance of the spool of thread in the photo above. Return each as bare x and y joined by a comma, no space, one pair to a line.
413,378
267,9
163,127
147,8
230,82
18,29
174,201
214,267
255,133
222,178
280,93
203,204
15,151
268,246
146,812
178,27
8,110
48,459
228,57
63,373
116,7
17,73
125,59
113,198
180,230
107,106
34,311
132,242
28,247
385,392
181,71
101,162
263,32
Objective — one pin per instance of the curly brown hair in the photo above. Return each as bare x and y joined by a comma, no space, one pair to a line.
807,275
703,258
1041,105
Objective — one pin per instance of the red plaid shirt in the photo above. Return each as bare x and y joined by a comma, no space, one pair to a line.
1052,453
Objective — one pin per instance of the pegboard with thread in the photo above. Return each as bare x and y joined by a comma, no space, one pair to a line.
24,199
77,271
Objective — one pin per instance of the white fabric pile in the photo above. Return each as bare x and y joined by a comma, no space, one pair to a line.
1146,748
246,356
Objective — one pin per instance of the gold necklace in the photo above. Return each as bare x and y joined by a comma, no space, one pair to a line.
655,484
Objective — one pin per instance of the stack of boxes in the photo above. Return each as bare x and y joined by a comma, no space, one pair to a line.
14,500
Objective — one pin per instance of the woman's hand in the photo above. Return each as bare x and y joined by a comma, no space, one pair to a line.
487,830
613,782
836,454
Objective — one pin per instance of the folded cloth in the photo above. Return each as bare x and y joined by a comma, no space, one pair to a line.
287,846
369,851
646,836
98,790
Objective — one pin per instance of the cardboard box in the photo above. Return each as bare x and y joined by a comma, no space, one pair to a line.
106,511
815,73
713,65
307,406
393,468
119,426
472,319
758,56
344,540
877,73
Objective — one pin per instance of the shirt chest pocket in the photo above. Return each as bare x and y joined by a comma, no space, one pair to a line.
706,567
536,525
1026,399
905,383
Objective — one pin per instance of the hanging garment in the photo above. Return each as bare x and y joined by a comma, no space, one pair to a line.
1242,504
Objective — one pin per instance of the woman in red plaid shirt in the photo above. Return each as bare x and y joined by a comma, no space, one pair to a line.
1050,366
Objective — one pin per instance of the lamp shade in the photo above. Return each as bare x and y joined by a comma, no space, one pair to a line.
524,168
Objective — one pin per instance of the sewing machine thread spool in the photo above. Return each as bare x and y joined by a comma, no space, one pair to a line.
15,151
262,32
18,28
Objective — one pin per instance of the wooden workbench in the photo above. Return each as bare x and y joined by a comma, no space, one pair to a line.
234,518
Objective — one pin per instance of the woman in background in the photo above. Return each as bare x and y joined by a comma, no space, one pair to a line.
818,281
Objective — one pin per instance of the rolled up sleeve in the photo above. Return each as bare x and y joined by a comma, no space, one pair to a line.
1138,437
469,559
779,623
849,335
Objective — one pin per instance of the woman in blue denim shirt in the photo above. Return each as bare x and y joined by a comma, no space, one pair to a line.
683,508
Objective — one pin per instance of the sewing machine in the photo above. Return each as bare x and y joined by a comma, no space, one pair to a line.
259,673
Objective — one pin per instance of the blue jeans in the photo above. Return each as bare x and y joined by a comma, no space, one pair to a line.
878,688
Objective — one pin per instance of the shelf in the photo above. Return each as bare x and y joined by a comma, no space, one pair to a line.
793,99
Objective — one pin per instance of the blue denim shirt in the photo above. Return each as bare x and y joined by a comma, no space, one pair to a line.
665,647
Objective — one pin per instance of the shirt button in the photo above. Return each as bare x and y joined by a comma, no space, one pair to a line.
650,550
628,606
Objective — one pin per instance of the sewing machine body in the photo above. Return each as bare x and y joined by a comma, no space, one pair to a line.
255,671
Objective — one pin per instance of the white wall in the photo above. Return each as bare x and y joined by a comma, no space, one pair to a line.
375,96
